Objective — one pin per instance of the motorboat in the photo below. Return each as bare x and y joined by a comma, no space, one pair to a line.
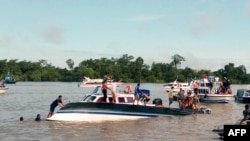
242,95
92,109
207,94
87,82
220,129
3,89
177,85
9,78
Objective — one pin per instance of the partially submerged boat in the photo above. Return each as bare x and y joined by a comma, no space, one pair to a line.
92,109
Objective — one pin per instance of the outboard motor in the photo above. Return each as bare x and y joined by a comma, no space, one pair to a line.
157,101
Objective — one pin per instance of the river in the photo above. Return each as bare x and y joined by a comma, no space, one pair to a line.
28,99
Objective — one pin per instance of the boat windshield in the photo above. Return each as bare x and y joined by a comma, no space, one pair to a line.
89,98
96,89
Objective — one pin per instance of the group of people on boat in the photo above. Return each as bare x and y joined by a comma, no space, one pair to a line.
185,101
216,86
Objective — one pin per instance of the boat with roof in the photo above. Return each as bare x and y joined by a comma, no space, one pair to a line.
211,90
9,78
243,95
92,109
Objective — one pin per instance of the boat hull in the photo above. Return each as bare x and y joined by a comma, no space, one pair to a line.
215,98
96,112
243,99
242,95
3,90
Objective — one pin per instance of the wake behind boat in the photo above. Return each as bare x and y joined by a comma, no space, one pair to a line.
91,109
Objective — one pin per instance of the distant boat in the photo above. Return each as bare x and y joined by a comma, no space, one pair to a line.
177,85
221,95
87,82
3,89
9,79
243,95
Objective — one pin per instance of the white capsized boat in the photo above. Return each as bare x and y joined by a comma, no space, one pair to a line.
92,109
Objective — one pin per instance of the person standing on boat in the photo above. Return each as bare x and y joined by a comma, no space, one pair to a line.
113,90
196,86
171,96
104,90
107,77
54,104
181,97
136,93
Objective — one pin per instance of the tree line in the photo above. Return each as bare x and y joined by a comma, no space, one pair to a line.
126,68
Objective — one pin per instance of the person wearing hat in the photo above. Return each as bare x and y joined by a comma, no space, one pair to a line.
54,104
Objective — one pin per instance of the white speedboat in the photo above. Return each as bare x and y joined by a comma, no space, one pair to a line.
92,109
177,85
87,82
206,93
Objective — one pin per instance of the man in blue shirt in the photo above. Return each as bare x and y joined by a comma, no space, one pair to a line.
136,93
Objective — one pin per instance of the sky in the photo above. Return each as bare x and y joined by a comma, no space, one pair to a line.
209,34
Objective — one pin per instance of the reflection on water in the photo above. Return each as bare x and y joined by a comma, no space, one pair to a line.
29,99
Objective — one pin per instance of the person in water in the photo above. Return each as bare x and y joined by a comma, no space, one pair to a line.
38,117
21,119
246,114
196,103
54,104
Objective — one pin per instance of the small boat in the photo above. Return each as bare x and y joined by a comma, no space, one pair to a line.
206,94
87,82
176,86
9,79
92,109
242,95
3,89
